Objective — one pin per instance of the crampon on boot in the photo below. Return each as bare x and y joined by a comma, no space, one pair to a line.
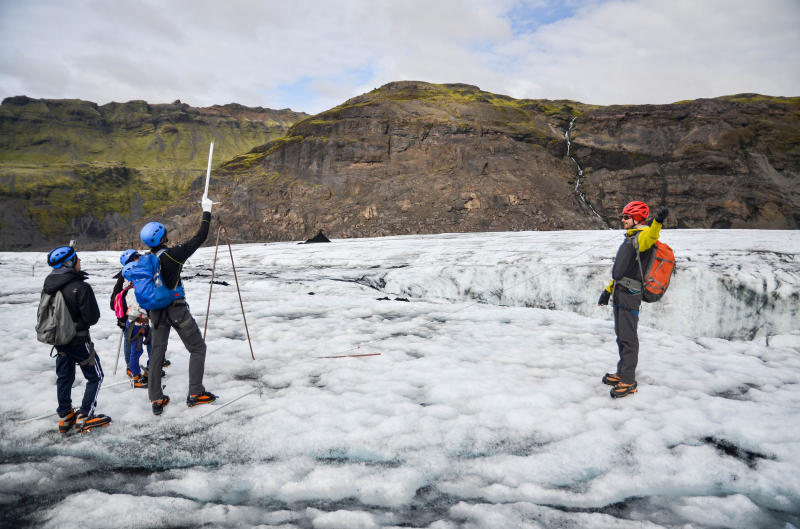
67,422
620,390
86,424
202,398
139,381
145,371
158,405
611,380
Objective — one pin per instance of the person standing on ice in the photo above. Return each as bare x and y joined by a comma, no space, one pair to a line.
128,257
67,278
176,315
625,291
137,333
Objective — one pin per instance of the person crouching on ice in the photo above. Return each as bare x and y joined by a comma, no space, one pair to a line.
176,315
137,333
68,279
625,291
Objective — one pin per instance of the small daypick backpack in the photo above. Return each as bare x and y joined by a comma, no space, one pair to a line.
54,323
148,284
120,306
656,272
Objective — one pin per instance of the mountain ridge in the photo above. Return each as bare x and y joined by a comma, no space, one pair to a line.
414,157
75,169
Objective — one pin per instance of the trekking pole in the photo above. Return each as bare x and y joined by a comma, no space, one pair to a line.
208,172
231,402
119,348
213,271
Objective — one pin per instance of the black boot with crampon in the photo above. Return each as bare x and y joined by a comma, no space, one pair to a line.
201,398
620,390
158,405
166,363
67,422
87,424
145,371
611,380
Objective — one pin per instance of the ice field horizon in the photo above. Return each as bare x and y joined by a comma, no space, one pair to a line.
484,408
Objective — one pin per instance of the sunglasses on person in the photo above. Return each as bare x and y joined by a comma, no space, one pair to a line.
626,217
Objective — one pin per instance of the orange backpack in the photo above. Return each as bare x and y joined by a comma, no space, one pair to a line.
656,272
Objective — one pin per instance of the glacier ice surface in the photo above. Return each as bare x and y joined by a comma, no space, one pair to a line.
485,408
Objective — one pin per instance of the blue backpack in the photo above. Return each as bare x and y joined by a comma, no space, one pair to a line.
148,285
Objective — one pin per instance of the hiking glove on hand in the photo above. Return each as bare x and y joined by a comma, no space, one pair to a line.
206,203
661,215
604,297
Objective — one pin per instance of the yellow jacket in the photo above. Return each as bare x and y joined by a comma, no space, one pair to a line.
648,235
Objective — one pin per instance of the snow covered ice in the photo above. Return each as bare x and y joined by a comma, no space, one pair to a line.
484,409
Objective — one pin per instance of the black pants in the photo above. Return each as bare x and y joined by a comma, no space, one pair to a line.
65,370
626,323
164,320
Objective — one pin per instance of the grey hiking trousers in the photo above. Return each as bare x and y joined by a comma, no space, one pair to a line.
626,323
162,321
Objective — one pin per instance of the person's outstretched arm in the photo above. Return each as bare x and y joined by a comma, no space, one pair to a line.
183,251
649,235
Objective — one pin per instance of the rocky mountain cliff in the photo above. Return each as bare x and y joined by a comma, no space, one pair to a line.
72,169
413,157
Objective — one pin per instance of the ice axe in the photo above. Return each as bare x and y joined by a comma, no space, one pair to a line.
208,171
119,348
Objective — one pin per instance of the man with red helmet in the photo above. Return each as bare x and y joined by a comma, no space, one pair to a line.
626,289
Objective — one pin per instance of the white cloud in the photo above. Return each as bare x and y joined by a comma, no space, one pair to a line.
313,55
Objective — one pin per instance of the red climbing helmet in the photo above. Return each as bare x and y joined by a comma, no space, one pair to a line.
638,210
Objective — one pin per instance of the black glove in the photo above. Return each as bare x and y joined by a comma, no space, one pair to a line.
121,323
661,214
604,297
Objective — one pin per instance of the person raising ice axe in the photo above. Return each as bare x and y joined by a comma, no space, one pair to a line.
159,289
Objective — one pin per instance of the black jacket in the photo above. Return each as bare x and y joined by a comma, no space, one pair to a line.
79,297
172,260
117,287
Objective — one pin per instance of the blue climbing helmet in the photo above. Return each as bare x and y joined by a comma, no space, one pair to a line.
63,256
127,256
127,270
153,233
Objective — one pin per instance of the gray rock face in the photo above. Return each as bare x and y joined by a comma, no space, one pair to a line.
721,163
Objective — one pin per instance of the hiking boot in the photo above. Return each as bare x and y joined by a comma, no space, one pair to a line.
166,363
620,390
128,370
144,370
611,380
158,405
67,422
140,381
203,398
86,424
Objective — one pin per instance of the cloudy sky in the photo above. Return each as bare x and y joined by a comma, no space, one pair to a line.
312,55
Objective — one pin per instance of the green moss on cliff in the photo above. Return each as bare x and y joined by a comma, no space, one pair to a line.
68,158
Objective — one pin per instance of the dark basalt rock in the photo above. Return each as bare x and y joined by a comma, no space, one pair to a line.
319,237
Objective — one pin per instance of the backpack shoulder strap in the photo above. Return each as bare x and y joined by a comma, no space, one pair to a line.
180,265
